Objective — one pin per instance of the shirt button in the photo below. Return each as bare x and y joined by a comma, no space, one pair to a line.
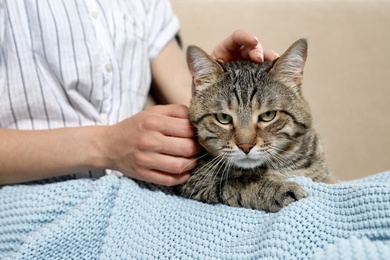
95,15
108,67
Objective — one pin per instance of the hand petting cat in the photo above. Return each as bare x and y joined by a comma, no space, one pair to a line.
241,45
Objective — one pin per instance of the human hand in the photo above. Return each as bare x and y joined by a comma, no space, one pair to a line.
155,145
241,45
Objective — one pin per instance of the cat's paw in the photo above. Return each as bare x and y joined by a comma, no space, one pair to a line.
289,192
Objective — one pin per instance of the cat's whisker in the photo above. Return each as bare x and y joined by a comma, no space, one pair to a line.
281,160
197,158
208,163
223,177
273,155
221,164
213,162
287,165
210,171
225,173
201,169
216,172
283,173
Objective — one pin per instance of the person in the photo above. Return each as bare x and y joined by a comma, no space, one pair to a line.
74,77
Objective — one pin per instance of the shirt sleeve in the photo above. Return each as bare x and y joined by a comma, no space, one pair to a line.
162,26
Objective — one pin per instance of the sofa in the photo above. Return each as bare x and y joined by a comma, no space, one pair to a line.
347,75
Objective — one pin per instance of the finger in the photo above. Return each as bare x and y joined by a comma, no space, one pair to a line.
174,146
173,110
166,163
228,49
256,54
171,120
270,55
240,38
177,127
183,147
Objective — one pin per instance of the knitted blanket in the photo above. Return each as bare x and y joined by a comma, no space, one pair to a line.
117,218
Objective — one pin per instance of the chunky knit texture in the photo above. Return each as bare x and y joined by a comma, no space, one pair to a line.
117,218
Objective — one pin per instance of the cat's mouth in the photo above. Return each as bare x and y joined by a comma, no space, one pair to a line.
249,161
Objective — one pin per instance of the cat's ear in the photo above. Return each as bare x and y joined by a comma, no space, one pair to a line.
204,69
288,69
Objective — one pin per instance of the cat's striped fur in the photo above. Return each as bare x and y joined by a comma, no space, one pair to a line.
256,128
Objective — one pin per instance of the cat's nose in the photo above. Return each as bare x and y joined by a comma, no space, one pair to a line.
246,148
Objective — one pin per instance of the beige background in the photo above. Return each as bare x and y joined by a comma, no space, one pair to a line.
347,75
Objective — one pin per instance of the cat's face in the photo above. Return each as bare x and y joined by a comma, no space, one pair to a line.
247,114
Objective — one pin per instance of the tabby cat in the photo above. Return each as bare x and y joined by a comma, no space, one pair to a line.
256,129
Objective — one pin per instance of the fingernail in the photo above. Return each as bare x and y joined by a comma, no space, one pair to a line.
260,56
254,37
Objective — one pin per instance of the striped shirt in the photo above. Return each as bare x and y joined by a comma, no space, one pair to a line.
70,63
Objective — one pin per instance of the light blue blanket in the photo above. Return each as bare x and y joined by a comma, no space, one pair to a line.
117,218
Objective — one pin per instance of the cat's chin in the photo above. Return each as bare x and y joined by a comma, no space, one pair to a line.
248,163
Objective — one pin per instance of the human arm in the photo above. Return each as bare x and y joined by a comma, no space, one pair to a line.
137,146
171,77
27,155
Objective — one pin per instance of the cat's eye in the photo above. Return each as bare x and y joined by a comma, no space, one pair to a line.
223,118
267,116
